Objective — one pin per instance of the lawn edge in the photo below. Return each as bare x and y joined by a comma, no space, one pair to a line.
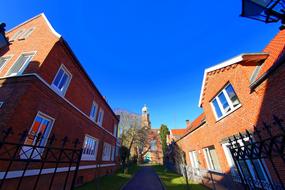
160,180
129,180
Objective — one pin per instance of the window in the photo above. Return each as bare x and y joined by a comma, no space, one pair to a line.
255,73
121,130
113,153
16,35
106,152
211,158
93,111
90,147
1,104
225,102
61,80
20,65
153,146
115,130
194,162
117,151
100,117
42,126
27,33
244,165
194,159
3,61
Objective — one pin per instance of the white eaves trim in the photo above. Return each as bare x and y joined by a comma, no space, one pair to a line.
231,61
45,18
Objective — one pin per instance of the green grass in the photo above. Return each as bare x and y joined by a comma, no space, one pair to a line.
173,181
111,182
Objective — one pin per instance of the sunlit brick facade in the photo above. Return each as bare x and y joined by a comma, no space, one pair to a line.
43,85
236,95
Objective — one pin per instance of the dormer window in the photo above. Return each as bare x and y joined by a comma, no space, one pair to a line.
27,33
225,102
16,35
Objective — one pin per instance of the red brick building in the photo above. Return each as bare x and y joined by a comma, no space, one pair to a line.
236,95
44,88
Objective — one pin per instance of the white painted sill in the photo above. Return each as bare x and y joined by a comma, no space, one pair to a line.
236,108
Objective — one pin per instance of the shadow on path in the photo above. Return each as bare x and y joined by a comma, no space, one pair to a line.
144,179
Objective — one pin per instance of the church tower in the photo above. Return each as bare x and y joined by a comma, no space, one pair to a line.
145,118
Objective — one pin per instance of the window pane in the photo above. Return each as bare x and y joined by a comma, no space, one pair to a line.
259,169
217,108
63,82
224,102
214,158
93,111
244,168
58,77
19,64
27,33
232,95
3,60
31,137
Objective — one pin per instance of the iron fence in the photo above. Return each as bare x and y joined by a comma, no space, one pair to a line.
259,156
34,162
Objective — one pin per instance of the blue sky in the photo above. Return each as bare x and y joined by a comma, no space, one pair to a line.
149,52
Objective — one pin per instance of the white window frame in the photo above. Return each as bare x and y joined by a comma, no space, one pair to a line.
7,59
100,122
26,33
207,156
224,113
41,150
194,162
106,154
93,118
55,88
17,35
232,166
91,157
24,66
194,159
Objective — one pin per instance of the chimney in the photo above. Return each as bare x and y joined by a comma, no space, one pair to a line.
188,123
3,40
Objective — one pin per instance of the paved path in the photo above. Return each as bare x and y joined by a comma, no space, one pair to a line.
144,179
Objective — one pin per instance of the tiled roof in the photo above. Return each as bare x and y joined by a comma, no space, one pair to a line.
197,122
274,49
178,132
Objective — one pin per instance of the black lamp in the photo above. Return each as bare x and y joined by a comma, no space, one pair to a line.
267,11
3,40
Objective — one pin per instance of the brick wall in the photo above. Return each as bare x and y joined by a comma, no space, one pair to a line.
24,96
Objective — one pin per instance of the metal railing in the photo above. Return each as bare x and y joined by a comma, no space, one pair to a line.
20,159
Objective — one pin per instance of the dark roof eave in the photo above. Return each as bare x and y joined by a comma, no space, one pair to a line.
190,131
263,77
